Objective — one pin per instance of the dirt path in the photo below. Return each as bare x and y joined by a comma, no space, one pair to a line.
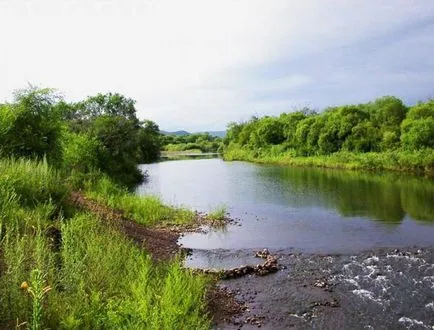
160,243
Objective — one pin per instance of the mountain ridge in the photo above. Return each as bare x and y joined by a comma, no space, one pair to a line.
183,133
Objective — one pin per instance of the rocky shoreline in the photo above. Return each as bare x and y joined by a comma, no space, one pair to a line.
381,288
375,289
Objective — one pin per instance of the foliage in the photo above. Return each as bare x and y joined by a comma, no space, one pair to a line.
146,210
94,277
123,141
371,132
199,141
418,128
100,133
149,141
218,214
80,152
30,127
31,182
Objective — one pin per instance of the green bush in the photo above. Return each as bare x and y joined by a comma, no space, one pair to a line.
31,127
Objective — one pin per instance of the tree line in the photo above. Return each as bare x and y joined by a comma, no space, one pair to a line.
382,125
101,133
204,142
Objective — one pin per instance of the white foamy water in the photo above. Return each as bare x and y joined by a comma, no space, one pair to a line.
412,322
366,294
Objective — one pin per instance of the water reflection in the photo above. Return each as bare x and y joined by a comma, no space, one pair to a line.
302,208
385,197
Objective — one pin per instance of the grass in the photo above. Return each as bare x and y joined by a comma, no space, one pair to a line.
33,182
419,161
146,210
94,278
168,153
218,213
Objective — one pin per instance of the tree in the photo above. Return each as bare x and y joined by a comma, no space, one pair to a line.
107,104
119,145
149,141
31,126
290,122
417,130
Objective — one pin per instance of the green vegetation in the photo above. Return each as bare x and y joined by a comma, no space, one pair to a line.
218,214
384,134
387,197
146,210
101,133
202,142
91,277
61,267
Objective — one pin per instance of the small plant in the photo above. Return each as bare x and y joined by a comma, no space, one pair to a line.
37,291
218,214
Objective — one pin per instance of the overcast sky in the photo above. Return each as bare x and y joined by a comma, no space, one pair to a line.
199,64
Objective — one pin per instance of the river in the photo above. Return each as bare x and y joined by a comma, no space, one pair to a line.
307,209
369,236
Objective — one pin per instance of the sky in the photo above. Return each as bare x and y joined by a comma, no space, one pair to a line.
200,64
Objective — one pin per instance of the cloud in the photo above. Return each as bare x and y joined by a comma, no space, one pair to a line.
199,64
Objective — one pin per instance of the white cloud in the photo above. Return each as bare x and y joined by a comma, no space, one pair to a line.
191,64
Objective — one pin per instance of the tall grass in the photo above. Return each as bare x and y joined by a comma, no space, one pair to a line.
96,278
109,283
146,210
33,182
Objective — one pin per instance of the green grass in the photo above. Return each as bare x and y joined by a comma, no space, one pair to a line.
98,278
420,161
146,210
182,148
32,182
218,213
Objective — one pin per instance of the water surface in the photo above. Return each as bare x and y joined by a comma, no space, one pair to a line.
307,209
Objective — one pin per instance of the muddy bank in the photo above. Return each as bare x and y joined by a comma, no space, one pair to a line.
161,242
377,289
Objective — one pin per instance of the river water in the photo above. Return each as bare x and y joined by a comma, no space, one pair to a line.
307,209
352,230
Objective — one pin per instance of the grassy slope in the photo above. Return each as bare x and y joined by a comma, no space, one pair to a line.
98,278
421,161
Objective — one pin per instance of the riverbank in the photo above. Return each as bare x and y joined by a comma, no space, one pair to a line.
187,154
307,290
70,261
420,162
381,288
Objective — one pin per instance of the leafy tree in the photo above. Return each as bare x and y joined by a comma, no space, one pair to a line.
31,126
270,131
149,141
301,135
80,152
118,140
363,138
387,111
289,122
417,130
106,104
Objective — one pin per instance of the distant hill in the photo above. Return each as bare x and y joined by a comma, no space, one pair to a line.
183,133
178,133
